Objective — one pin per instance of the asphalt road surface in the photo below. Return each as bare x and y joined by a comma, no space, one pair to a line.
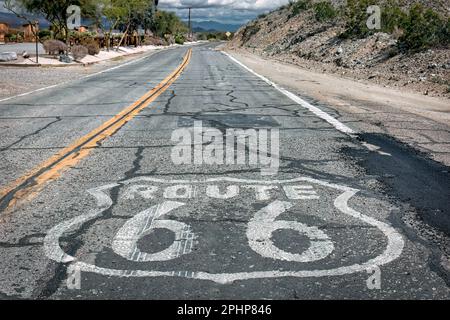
94,205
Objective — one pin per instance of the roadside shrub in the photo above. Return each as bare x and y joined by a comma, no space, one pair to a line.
284,7
222,36
12,37
179,39
44,35
93,48
355,15
202,36
75,36
299,6
55,47
81,37
393,18
153,41
79,52
324,11
211,36
446,33
416,29
424,28
262,16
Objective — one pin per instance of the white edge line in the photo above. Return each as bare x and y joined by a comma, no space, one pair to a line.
318,112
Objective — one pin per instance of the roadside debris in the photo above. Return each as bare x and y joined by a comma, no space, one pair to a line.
8,56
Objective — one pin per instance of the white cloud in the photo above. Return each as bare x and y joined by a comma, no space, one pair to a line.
229,11
227,4
238,11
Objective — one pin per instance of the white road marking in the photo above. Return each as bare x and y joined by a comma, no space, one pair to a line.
173,192
321,114
126,239
393,250
300,192
51,241
264,224
262,192
143,190
375,148
214,192
315,110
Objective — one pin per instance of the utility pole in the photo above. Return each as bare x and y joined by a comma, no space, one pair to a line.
36,38
190,23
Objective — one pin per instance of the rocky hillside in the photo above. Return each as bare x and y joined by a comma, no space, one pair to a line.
411,51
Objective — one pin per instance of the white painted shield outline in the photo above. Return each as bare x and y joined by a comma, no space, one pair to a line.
54,251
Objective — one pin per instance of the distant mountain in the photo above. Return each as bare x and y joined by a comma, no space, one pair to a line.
201,26
197,26
15,22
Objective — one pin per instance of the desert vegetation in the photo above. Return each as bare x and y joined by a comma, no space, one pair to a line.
418,27
409,48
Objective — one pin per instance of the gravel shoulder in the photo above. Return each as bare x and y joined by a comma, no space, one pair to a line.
422,122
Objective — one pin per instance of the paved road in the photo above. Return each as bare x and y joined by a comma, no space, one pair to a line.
115,212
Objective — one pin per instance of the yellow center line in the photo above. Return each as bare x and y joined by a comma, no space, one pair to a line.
30,184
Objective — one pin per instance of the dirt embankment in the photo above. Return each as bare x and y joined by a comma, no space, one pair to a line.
317,46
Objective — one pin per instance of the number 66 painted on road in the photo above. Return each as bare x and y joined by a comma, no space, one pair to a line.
259,233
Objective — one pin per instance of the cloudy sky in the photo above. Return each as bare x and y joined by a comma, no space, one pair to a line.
229,11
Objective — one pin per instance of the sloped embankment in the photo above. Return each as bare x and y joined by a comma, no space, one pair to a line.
315,39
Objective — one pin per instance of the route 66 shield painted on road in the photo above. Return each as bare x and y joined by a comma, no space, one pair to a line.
209,230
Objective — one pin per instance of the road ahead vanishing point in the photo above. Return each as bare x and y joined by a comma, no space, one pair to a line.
185,175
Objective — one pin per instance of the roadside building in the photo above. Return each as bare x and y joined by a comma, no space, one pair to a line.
82,29
28,32
4,29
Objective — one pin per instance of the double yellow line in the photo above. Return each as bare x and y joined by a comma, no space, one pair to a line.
29,185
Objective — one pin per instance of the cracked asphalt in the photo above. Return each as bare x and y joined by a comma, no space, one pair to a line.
368,215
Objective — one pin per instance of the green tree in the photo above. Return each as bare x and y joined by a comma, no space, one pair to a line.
54,11
127,15
149,16
168,23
